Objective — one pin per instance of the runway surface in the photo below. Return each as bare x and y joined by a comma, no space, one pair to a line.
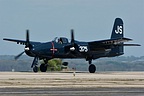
72,91
70,84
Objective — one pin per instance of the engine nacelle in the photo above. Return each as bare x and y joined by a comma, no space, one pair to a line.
81,47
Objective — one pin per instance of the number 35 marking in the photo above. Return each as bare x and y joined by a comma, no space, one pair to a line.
83,49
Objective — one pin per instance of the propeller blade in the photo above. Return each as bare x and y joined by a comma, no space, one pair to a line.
27,37
16,57
72,41
72,36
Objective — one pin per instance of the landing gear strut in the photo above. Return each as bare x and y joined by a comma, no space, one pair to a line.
34,65
92,67
43,67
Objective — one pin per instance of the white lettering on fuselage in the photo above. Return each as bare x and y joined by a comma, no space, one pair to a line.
83,49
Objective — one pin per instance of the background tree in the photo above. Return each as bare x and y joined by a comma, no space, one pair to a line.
54,65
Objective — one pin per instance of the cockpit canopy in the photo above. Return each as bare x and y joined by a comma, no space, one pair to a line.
61,40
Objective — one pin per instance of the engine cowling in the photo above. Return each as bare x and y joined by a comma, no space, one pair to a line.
72,48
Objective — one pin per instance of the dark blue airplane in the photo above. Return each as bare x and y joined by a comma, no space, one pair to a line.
62,48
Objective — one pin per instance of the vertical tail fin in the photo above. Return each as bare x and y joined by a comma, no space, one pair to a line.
117,32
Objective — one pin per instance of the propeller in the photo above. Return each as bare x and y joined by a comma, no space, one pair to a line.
72,48
26,47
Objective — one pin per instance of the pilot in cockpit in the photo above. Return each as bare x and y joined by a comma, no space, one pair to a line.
60,40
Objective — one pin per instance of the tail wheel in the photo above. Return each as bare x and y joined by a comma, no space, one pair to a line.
35,69
92,68
43,67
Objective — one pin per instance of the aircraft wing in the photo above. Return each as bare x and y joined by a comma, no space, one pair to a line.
109,43
22,42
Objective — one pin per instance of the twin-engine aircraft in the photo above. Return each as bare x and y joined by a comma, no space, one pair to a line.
62,48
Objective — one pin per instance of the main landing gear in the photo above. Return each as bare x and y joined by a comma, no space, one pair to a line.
43,67
92,67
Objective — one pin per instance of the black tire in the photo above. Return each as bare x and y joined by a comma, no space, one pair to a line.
92,68
43,67
35,69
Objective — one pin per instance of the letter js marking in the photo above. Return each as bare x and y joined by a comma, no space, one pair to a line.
118,30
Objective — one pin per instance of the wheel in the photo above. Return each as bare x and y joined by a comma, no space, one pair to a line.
35,69
92,68
43,67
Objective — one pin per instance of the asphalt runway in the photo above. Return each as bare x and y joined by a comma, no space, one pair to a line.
71,91
70,84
